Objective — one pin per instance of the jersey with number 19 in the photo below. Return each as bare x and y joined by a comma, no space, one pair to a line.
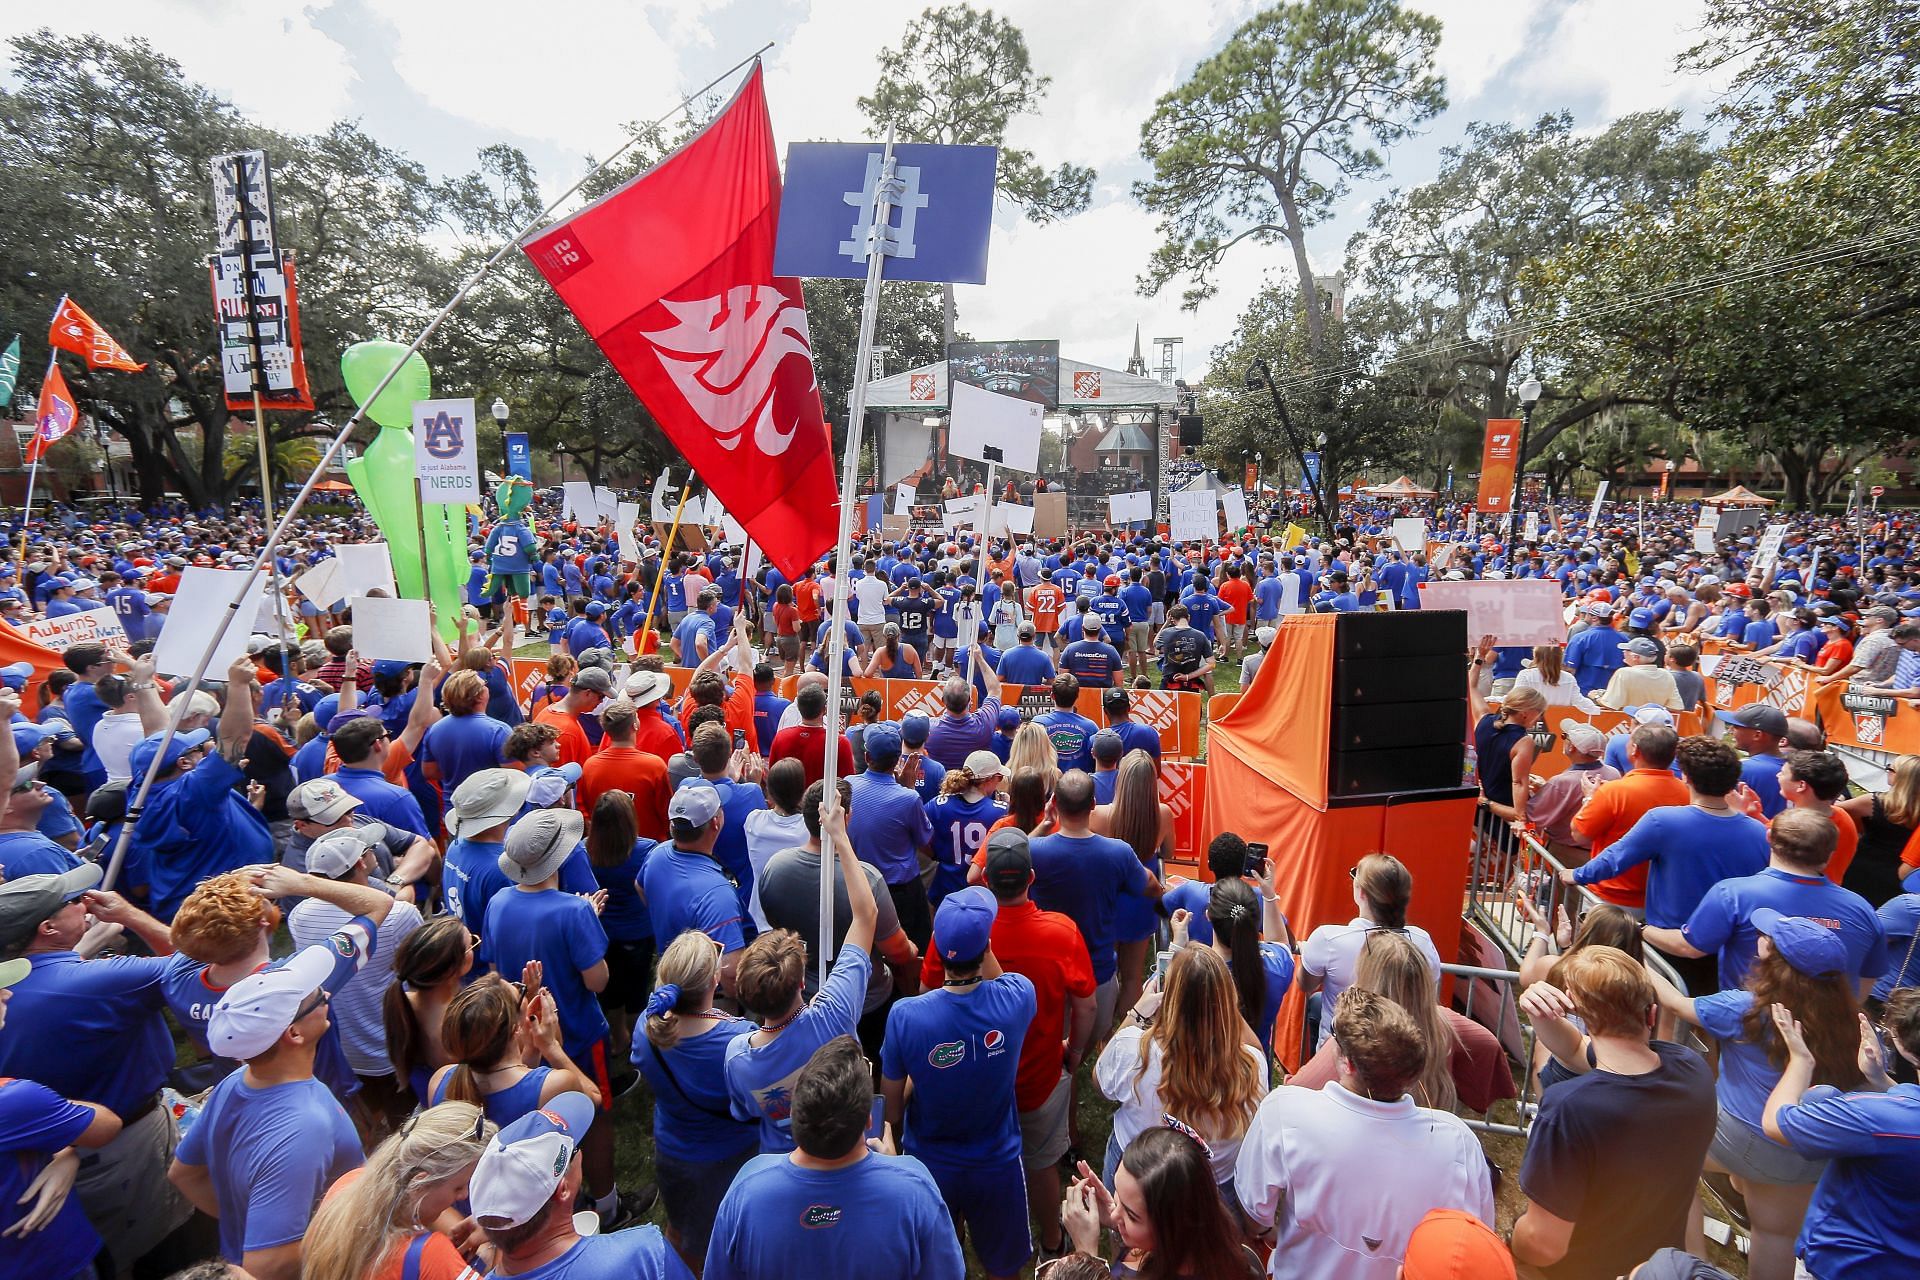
959,829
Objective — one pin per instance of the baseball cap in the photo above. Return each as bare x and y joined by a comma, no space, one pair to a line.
1648,713
486,799
1008,720
1266,636
258,1009
1598,609
15,675
390,667
1641,646
594,680
914,728
338,852
1808,945
1757,715
1840,621
551,784
1884,614
694,803
963,925
539,843
1009,859
28,736
644,688
1107,745
1115,699
336,722
526,1161
1584,738
1641,618
984,764
883,739
27,901
1450,1244
321,800
144,751
595,608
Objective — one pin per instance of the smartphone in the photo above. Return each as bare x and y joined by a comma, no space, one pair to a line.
1160,964
877,1118
1257,859
739,739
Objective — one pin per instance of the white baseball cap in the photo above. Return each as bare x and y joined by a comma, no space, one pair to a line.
338,852
524,1164
258,1009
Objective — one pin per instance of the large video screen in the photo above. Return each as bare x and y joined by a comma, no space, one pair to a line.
1026,370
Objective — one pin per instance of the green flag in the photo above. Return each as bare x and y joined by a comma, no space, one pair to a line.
9,371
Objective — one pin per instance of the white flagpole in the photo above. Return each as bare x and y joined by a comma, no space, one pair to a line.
279,531
980,574
882,212
33,473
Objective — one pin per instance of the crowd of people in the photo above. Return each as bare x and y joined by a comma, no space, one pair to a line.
355,994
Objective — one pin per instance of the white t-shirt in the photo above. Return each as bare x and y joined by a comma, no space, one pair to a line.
1136,1088
1565,694
767,834
114,738
1346,1179
870,594
1331,951
355,1008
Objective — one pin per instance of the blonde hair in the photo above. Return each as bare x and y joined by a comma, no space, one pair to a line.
1393,967
1033,749
464,693
1522,698
1207,1078
1901,803
960,778
358,1228
691,963
1546,661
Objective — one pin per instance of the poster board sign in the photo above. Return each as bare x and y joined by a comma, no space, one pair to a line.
95,626
1050,515
321,583
392,630
1410,532
606,506
203,609
987,427
963,513
365,567
1530,531
1234,503
626,524
1125,508
903,496
1515,611
1192,515
664,500
1768,551
1703,539
445,458
690,537
900,526
1011,517
577,504
1593,513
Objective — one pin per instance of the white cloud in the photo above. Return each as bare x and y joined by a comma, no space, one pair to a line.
1623,52
1479,40
265,56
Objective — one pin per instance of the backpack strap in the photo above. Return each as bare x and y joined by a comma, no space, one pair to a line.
416,1252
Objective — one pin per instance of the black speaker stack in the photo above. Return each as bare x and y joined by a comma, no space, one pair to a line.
1399,702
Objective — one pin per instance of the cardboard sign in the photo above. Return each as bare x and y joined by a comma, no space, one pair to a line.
1517,611
1050,515
321,584
202,610
1193,515
392,630
365,567
445,458
95,626
896,526
1126,508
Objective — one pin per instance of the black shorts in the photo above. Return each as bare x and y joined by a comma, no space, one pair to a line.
629,975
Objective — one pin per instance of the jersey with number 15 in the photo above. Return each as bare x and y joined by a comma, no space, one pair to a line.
510,548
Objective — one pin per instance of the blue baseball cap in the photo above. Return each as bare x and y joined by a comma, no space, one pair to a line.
144,751
326,709
595,608
1808,945
526,1161
883,739
28,736
16,675
963,926
914,728
1008,719
390,667
1642,618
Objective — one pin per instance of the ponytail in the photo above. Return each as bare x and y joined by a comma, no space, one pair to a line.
1233,909
958,779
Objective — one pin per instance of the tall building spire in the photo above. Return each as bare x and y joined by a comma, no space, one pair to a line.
1137,364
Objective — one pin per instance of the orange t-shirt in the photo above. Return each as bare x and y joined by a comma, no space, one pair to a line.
1610,813
806,598
575,748
438,1261
1044,603
1238,595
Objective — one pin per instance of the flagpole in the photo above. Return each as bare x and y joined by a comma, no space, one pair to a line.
980,574
660,575
38,447
279,530
843,541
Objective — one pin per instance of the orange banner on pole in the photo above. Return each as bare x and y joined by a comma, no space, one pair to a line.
1497,463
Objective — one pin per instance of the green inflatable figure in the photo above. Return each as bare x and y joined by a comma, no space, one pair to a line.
383,477
512,496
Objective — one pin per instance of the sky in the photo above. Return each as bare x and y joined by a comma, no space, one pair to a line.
440,79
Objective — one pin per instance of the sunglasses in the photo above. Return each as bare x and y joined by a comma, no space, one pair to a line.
312,1002
479,1127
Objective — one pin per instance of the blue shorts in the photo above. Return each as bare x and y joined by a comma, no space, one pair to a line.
993,1205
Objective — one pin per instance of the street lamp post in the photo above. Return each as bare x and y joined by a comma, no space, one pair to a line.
1860,523
506,455
1257,373
1559,476
1530,392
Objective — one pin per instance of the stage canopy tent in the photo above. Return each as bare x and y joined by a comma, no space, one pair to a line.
1738,496
1401,488
1082,386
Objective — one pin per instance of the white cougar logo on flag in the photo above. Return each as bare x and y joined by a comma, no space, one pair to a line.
723,352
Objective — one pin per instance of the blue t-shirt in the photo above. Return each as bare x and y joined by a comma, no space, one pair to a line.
1592,657
625,916
1900,920
1746,1075
881,1218
472,875
1025,664
767,710
379,800
97,1031
35,1122
1114,619
462,746
1762,773
961,1049
28,853
691,1118
1860,1224
272,1153
1690,851
959,829
1135,736
563,933
1072,736
1722,921
195,827
887,823
1095,662
510,548
689,890
760,1079
689,631
1083,878
1202,609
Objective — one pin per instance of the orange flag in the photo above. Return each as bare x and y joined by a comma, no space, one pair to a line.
57,414
74,330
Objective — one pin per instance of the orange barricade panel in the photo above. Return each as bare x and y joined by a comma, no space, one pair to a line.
1282,724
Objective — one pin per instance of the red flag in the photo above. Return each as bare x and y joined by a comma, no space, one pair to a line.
672,275
74,330
57,414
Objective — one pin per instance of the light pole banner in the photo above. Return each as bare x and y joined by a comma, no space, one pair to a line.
1497,461
519,456
444,456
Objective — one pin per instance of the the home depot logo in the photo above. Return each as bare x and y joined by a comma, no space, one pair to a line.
1158,709
921,387
925,700
1175,792
1086,384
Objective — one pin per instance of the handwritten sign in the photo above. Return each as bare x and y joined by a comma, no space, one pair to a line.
1520,611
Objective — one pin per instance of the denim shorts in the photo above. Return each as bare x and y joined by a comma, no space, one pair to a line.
1745,1152
691,1192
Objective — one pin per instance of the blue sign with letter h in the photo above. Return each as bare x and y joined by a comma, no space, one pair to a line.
937,227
